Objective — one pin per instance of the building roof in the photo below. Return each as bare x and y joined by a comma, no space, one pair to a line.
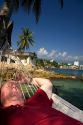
19,53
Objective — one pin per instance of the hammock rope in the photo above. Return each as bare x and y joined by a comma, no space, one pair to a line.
22,91
27,91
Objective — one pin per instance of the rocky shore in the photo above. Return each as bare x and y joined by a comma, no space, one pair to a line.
50,75
8,71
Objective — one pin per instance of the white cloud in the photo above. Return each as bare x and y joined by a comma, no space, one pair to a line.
52,54
42,52
81,58
64,54
76,57
59,56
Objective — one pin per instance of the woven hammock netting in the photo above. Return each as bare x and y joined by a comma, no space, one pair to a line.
12,70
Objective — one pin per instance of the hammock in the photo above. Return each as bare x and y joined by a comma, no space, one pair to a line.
67,108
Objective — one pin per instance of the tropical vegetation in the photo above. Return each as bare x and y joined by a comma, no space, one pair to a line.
46,63
7,9
25,39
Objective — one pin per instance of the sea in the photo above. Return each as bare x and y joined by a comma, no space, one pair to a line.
70,90
74,72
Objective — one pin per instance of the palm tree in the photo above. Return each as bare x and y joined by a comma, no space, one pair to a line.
28,5
10,6
25,39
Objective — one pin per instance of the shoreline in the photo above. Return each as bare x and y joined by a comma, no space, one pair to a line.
7,71
52,75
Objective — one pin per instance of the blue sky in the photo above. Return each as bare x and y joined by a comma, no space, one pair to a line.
58,34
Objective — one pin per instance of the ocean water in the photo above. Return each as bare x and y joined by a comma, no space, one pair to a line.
67,71
70,90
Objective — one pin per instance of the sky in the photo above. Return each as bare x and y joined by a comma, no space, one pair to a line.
59,32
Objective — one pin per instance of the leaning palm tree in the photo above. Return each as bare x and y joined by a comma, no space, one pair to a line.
25,39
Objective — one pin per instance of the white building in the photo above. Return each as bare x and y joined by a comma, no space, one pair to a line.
76,63
51,60
17,57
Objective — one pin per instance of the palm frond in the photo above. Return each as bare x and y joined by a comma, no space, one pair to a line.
31,42
21,37
25,39
13,6
37,9
61,3
27,4
17,43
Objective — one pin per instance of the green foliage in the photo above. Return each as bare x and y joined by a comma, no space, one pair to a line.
25,39
46,63
39,62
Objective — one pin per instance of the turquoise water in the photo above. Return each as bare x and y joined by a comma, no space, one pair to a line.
70,90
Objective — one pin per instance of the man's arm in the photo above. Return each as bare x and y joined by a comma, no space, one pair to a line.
44,84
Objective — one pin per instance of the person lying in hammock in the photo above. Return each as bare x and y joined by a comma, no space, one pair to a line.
36,110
